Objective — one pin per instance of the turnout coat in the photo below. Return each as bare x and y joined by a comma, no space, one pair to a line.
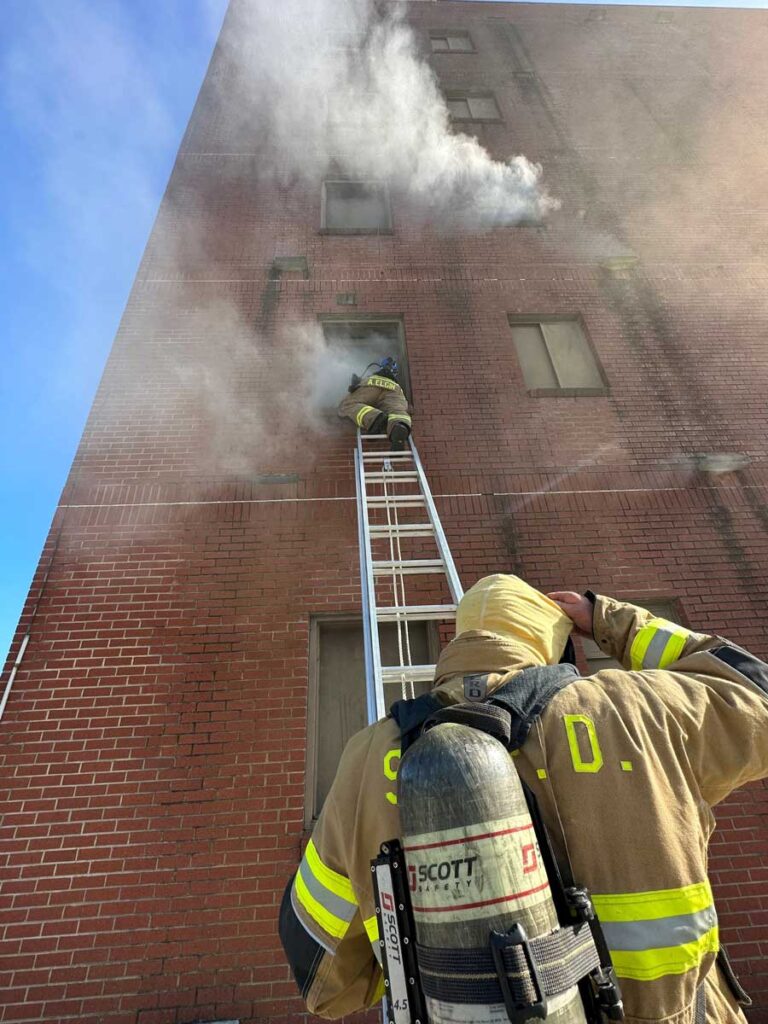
626,764
375,394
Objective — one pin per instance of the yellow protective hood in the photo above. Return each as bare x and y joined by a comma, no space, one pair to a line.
509,607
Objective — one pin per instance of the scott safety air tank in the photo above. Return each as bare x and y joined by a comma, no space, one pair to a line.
474,863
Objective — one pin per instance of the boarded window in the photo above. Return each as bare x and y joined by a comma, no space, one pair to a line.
473,107
451,42
556,357
355,207
338,693
355,342
597,659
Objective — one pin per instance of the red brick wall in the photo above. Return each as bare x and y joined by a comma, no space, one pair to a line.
153,748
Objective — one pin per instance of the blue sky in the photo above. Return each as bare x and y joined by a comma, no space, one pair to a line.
94,98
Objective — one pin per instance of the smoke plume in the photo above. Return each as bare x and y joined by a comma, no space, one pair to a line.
341,84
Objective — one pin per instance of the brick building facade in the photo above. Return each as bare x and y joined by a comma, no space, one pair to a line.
154,745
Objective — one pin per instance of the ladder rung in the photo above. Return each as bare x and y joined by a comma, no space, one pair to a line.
416,612
403,530
392,477
401,501
412,673
382,456
409,567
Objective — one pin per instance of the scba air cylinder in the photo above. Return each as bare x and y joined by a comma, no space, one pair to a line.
474,864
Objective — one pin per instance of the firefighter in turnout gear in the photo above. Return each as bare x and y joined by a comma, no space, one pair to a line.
377,404
626,766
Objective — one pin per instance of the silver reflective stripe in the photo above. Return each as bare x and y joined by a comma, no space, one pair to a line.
655,651
659,933
301,918
334,904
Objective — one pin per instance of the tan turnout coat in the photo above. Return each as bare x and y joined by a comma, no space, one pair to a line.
630,762
374,395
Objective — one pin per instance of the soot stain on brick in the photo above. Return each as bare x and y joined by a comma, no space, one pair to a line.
509,535
622,296
759,511
674,139
723,522
270,298
683,400
530,85
534,91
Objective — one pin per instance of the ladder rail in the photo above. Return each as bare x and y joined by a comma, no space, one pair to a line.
373,675
454,583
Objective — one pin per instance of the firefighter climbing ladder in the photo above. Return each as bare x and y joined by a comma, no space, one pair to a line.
386,503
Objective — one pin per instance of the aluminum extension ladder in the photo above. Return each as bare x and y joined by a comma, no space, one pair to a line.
386,504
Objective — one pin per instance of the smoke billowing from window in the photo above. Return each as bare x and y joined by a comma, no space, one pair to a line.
335,85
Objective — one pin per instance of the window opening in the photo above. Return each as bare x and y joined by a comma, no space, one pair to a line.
469,107
355,207
357,341
556,357
451,42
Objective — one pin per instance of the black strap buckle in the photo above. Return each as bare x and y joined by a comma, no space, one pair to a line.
517,1012
608,993
579,903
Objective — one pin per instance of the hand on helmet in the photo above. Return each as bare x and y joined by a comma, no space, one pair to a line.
578,609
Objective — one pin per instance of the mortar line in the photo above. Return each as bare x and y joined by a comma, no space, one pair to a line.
462,494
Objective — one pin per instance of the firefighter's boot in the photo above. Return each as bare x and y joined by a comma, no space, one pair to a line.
398,436
379,425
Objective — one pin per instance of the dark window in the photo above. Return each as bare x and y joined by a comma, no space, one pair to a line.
357,341
556,357
597,659
452,41
355,207
337,707
472,106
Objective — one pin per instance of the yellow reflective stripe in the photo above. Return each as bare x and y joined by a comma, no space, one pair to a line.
650,964
362,412
328,922
645,906
640,646
332,880
656,630
371,925
399,416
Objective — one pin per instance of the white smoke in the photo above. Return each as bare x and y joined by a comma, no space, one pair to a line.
339,84
299,382
317,88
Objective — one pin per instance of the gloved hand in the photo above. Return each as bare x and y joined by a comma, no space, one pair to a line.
354,383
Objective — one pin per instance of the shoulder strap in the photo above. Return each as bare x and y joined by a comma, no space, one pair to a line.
527,695
411,715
